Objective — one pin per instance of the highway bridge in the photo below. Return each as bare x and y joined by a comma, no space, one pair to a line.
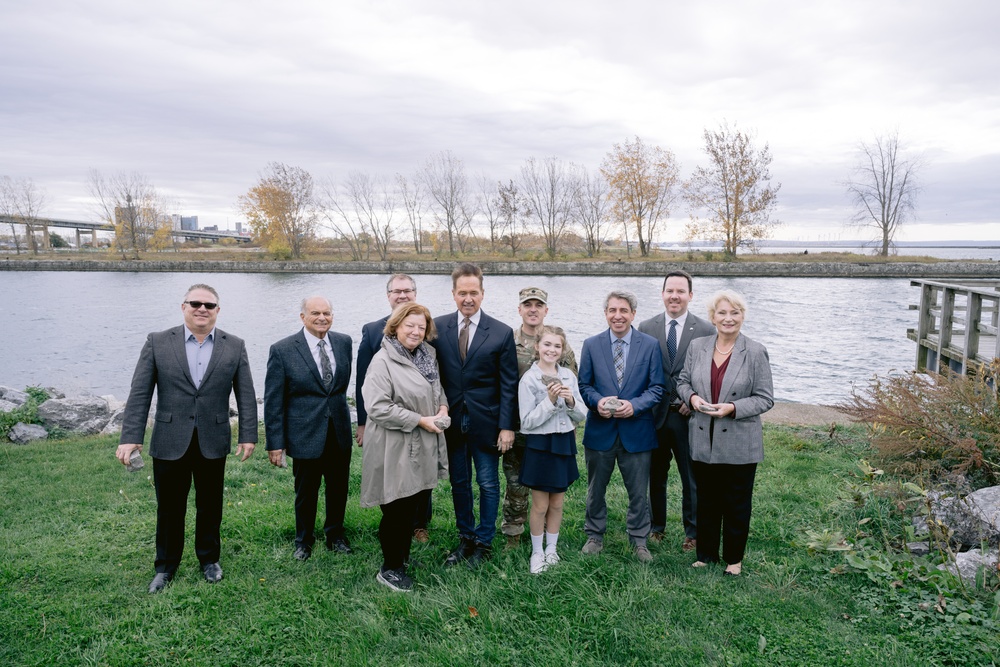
94,227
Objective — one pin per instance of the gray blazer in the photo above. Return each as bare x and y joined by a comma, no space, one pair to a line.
694,327
739,438
180,406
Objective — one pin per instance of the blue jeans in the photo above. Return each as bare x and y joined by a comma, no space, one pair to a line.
463,454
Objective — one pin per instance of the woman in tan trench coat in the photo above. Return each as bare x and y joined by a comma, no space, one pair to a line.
404,448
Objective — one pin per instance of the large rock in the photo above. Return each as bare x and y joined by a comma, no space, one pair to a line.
13,396
22,434
87,415
7,406
969,521
114,424
967,563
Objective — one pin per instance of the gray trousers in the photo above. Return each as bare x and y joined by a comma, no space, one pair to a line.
634,468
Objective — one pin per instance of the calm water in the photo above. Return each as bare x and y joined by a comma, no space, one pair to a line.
82,332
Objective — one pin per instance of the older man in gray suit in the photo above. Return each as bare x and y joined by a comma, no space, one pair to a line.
193,368
674,329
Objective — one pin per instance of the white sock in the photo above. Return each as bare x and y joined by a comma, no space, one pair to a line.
550,542
536,544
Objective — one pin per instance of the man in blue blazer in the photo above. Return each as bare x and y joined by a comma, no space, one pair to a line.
624,365
194,369
400,289
478,363
671,414
306,415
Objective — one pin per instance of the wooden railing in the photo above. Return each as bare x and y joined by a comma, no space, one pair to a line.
957,324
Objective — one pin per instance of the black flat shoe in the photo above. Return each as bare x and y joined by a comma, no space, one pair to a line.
340,545
212,572
480,555
465,549
303,553
160,582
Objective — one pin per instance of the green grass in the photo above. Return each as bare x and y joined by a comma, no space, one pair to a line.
76,547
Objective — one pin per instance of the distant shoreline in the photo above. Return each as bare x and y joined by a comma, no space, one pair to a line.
860,269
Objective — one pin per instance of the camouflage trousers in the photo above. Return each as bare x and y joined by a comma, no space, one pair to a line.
516,499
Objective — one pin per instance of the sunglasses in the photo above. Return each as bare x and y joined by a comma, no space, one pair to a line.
198,304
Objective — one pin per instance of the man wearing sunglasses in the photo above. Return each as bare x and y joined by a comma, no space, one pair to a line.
193,368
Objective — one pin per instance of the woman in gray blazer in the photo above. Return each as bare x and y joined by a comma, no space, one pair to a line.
727,383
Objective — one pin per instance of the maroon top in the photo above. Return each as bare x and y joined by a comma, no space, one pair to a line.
718,372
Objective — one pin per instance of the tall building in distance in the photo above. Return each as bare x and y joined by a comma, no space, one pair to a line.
184,222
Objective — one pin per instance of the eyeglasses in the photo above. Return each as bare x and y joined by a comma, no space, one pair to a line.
198,304
401,292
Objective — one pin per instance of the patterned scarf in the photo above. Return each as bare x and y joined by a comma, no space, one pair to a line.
421,358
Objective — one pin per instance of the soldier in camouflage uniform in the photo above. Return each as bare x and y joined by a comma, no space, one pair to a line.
532,307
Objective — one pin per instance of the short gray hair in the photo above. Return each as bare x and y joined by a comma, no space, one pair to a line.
400,276
624,296
302,305
207,288
735,300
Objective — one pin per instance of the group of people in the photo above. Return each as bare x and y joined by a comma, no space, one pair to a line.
446,397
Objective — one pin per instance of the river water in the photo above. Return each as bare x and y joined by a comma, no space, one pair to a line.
82,331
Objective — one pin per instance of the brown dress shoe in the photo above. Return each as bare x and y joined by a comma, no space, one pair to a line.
656,536
690,544
513,542
421,535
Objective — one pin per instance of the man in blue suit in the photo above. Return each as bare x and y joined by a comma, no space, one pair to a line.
478,363
621,380
306,415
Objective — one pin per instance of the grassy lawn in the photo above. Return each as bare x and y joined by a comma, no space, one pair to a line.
76,549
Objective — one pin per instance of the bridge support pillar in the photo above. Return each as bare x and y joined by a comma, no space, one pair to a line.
46,241
77,239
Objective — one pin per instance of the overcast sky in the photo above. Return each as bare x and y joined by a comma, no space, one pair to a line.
200,96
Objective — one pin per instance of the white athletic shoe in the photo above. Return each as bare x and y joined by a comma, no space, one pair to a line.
538,564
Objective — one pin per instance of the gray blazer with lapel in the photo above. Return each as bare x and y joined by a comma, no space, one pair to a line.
180,406
737,439
298,407
694,327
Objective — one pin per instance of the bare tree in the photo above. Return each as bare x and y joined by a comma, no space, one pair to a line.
642,181
511,210
884,188
489,205
342,219
281,209
548,189
444,177
21,202
130,203
593,210
374,203
412,195
734,189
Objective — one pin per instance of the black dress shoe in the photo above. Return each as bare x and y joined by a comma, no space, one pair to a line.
302,552
160,582
340,545
465,549
480,554
212,572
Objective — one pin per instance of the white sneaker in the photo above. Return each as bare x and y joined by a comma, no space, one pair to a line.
551,557
537,563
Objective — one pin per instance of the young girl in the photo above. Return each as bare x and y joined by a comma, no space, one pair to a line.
550,410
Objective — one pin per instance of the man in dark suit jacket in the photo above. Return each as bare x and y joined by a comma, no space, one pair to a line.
671,413
400,289
621,364
478,365
193,368
306,415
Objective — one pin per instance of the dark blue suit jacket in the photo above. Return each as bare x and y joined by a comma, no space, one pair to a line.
642,385
371,343
485,387
297,405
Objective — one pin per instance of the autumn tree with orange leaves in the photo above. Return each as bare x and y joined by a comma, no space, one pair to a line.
642,183
734,191
281,210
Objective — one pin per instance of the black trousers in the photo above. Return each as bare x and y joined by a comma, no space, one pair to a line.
334,466
724,502
672,444
395,531
172,481
422,515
